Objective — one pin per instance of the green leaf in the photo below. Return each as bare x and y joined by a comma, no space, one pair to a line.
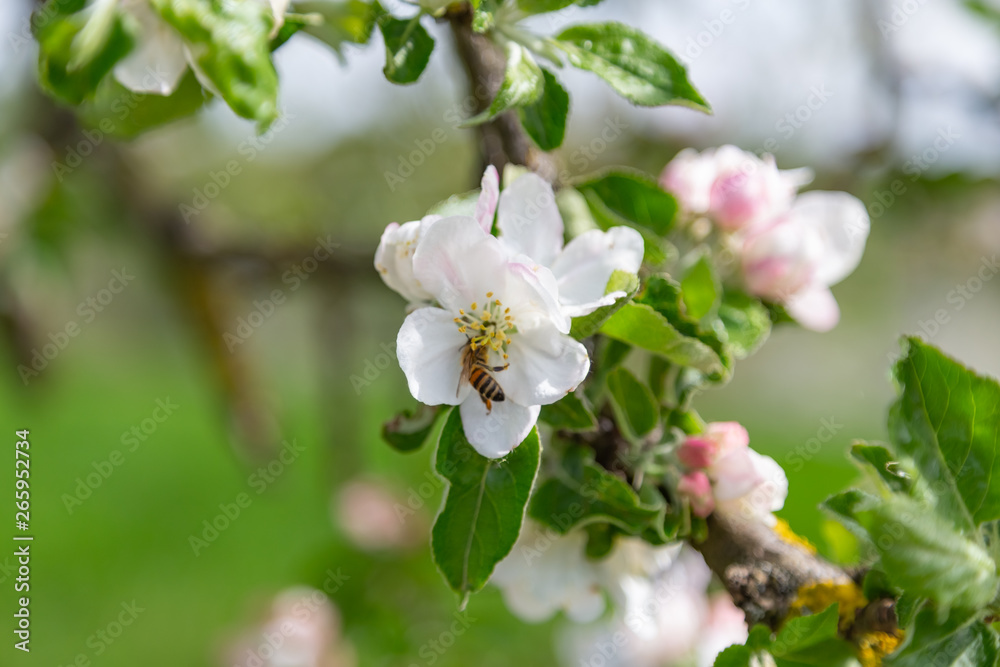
805,639
545,119
584,493
345,22
642,326
920,552
408,48
734,656
523,84
664,295
120,112
700,288
746,321
75,54
948,420
958,641
634,405
629,198
882,461
586,326
570,413
483,508
230,44
545,6
600,540
409,430
635,65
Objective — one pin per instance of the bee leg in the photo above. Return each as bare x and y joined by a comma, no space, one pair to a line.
489,405
497,369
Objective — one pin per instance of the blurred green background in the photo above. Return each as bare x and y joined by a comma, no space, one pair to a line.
316,371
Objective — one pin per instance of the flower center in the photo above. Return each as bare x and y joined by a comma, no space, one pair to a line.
491,326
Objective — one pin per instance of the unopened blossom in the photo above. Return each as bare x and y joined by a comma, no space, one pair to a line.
301,628
367,512
742,481
500,309
736,189
530,225
394,255
160,57
795,260
697,488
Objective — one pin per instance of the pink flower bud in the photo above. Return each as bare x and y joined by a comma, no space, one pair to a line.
728,436
698,489
697,452
748,191
689,178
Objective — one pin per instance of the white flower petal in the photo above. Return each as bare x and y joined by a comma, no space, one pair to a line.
546,572
770,495
734,475
489,195
458,263
587,262
394,258
842,223
814,308
158,61
496,433
429,350
534,295
545,365
529,220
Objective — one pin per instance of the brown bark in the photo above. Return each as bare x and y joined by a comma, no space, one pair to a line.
502,140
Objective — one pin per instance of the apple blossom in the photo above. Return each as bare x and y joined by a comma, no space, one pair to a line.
736,189
742,481
546,573
665,619
487,300
302,627
796,259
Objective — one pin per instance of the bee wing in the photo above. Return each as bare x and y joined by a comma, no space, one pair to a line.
467,362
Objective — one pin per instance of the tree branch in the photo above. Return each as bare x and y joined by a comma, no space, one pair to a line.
502,140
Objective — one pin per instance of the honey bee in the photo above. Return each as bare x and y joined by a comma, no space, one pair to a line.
477,371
